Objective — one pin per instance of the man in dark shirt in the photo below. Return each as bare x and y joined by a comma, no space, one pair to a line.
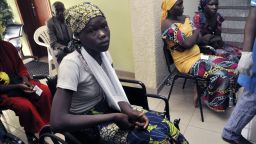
60,34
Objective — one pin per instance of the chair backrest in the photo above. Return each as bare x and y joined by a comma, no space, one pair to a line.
41,36
168,57
135,92
13,33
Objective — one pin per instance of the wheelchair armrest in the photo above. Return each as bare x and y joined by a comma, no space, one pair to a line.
40,76
53,137
47,131
71,138
165,101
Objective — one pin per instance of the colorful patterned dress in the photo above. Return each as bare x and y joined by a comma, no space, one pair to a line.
159,130
219,71
227,51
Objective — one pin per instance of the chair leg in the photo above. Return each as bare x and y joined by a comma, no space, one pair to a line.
184,83
174,78
234,99
200,101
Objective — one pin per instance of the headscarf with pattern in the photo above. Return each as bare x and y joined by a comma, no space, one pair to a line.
78,16
202,4
166,6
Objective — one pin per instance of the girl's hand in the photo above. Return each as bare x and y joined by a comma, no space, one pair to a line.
139,119
122,121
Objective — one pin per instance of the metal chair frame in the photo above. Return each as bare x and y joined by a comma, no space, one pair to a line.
174,74
13,34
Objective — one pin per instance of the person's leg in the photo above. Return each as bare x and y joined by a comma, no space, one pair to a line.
223,62
159,130
244,111
43,104
216,94
28,115
230,68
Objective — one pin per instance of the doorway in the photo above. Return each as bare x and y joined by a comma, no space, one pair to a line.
34,13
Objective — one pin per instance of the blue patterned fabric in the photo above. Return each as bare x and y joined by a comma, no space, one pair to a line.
159,131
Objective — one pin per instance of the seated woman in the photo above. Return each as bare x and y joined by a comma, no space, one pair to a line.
209,21
90,98
181,38
17,94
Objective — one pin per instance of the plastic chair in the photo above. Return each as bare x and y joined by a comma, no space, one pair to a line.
41,37
175,74
13,34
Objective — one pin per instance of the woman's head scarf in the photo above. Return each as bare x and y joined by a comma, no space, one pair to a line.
166,6
202,4
78,16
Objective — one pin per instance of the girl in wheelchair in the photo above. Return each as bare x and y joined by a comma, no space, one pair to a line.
90,99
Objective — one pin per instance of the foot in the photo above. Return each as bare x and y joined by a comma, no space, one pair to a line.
241,140
32,139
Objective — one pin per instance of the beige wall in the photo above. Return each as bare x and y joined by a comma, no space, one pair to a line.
150,66
190,7
119,20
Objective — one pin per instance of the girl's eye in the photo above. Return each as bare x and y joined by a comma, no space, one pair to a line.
105,26
91,30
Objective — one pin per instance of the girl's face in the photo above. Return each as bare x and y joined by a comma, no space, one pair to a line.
96,35
177,9
212,7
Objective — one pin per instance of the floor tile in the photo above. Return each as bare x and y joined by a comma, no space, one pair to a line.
201,136
213,121
252,130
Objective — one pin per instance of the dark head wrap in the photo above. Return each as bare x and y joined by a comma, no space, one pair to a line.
202,4
78,16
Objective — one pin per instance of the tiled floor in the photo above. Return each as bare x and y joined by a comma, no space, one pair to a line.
197,132
181,106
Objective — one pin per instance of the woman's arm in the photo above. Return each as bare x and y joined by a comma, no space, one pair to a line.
191,41
188,42
61,119
6,88
12,87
